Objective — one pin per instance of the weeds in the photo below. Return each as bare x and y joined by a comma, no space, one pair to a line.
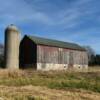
57,80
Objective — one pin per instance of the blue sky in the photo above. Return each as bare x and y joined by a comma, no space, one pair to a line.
67,20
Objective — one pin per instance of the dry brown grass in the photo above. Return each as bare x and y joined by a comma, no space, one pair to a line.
15,73
94,69
36,85
44,93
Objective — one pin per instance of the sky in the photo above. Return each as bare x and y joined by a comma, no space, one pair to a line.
75,21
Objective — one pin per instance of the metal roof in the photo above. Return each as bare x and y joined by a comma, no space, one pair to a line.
55,43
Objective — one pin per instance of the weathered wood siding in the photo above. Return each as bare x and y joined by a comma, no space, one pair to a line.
55,55
48,57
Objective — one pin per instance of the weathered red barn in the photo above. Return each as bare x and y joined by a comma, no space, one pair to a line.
48,54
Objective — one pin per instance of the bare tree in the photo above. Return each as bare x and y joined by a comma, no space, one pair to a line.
1,55
91,55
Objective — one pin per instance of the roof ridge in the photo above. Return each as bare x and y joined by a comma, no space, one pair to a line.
52,39
57,43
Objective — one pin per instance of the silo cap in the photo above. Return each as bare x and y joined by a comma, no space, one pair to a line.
12,27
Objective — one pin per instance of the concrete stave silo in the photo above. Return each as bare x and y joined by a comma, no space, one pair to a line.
12,40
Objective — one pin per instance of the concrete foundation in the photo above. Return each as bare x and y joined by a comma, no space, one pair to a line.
48,66
80,67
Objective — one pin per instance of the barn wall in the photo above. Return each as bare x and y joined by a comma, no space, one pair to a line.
27,54
60,58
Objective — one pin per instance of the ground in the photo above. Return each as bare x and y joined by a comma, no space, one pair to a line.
52,85
43,93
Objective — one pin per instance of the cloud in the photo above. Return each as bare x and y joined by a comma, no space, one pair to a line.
72,20
19,11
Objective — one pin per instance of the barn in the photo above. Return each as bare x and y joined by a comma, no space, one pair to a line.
47,54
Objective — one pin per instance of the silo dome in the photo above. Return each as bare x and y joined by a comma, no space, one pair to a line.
12,27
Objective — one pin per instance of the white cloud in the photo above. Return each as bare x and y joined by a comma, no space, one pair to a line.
53,17
18,11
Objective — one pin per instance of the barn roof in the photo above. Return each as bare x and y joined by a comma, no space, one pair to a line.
55,43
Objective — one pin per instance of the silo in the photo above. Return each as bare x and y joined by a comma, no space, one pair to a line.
12,40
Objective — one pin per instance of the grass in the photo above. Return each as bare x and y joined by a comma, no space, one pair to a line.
53,80
43,93
56,80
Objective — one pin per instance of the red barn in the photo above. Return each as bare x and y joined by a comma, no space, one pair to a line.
47,54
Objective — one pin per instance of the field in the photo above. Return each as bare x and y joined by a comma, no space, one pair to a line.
52,85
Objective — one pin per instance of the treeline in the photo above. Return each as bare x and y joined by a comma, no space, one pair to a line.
95,60
1,61
1,55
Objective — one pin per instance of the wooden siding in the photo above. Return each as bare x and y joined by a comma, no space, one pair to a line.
55,55
49,57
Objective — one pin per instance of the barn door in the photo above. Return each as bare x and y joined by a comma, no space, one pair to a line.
71,61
